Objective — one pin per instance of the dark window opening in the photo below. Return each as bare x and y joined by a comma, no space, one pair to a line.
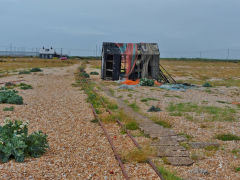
109,73
149,71
109,65
109,57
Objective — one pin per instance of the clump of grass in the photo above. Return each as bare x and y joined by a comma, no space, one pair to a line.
237,169
134,106
209,91
228,137
137,155
106,117
130,95
25,86
188,136
211,148
185,145
8,108
36,69
176,114
165,160
132,125
110,105
167,174
236,151
162,121
148,99
112,92
94,73
24,72
84,74
207,84
217,113
94,121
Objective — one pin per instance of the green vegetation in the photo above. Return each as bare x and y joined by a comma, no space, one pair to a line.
94,121
24,72
25,86
215,113
176,114
228,137
146,82
35,69
148,99
185,145
207,84
227,82
162,121
84,74
8,108
176,96
134,106
132,125
10,97
237,169
236,151
137,155
189,137
167,174
94,73
15,142
211,148
130,95
111,91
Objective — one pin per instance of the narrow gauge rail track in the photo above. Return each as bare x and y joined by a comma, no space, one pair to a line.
149,161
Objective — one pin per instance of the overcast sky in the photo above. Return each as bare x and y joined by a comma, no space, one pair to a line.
176,25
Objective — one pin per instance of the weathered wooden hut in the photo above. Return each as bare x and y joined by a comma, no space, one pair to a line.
130,60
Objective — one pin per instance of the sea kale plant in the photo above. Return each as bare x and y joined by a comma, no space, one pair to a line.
16,143
146,82
10,97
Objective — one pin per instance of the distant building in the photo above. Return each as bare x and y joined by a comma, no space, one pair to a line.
132,61
45,53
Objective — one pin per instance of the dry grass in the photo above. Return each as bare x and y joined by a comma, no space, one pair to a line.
13,64
198,72
202,69
137,155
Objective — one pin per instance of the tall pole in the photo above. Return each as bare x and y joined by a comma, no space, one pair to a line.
96,50
228,53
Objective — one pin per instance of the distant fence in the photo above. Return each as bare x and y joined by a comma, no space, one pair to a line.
224,54
18,53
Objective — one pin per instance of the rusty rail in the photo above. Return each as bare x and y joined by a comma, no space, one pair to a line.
135,142
112,146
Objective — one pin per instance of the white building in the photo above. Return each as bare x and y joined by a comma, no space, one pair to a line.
47,53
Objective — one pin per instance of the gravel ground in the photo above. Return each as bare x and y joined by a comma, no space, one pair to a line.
219,164
78,148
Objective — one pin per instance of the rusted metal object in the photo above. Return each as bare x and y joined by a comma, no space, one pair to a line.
112,146
135,143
